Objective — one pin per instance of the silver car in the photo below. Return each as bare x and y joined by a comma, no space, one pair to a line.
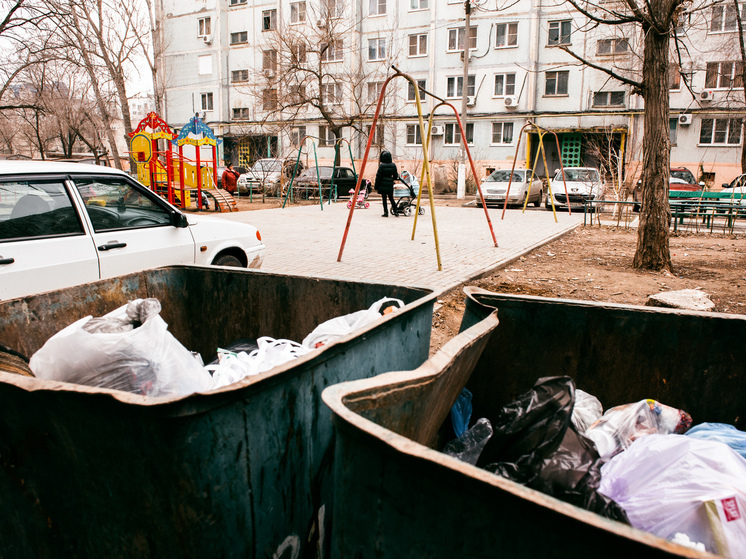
522,186
265,174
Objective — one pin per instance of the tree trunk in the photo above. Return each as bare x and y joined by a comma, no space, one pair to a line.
742,47
652,235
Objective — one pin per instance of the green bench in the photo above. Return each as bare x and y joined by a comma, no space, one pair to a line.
706,205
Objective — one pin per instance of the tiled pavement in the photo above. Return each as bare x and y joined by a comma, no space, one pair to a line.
305,240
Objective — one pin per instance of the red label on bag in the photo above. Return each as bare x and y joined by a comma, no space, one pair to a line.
730,508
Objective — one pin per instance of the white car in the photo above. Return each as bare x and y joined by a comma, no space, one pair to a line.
265,173
64,224
582,183
495,188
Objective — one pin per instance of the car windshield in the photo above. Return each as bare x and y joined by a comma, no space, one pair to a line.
579,175
267,166
504,176
310,173
684,175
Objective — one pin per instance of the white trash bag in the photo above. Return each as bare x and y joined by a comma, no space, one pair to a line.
144,359
671,485
342,325
586,411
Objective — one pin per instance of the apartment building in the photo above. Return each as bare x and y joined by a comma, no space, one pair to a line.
265,74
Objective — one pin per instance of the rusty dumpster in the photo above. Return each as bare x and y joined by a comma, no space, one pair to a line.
419,502
242,471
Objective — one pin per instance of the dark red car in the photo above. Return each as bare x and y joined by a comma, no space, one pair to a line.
681,179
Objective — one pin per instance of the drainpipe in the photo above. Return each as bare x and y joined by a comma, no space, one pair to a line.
461,180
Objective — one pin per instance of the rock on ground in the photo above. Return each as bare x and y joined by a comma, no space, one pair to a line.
689,299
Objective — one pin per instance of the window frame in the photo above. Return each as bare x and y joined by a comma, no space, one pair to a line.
673,129
238,112
417,44
502,142
723,18
471,84
232,3
507,35
242,36
378,136
378,50
380,8
204,26
243,76
297,134
614,44
375,89
269,20
505,86
419,7
269,60
421,84
734,77
336,93
336,49
413,135
557,75
608,95
270,99
452,132
714,131
328,138
459,39
300,15
559,40
206,101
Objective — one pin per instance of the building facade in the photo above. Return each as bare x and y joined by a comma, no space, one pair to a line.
265,74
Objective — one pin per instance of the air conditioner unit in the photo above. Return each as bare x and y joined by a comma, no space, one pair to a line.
470,101
685,119
269,73
511,101
437,130
201,114
706,95
207,39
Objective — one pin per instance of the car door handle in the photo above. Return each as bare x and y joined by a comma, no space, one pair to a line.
6,260
111,245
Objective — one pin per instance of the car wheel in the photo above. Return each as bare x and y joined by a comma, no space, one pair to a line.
227,260
537,202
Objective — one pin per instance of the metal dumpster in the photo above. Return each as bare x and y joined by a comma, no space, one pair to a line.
422,503
244,471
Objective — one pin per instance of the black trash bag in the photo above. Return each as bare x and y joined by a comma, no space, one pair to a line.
535,444
529,430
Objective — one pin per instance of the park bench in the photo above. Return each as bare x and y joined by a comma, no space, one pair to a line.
706,206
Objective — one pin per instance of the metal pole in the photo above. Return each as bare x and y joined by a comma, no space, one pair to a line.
461,179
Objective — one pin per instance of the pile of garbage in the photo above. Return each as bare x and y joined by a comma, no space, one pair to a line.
640,463
131,349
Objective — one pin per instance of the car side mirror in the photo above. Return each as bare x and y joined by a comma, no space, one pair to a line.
725,185
179,220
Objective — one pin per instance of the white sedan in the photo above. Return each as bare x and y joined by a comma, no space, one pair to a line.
579,184
63,224
522,186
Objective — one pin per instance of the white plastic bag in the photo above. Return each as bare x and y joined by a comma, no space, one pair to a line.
586,411
343,325
145,360
233,367
669,484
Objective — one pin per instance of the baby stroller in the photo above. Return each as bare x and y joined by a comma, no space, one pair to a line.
362,196
406,196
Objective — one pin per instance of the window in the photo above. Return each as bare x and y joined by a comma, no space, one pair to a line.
297,93
298,53
418,45
204,65
456,39
559,32
673,124
556,83
507,35
203,26
269,99
331,93
206,101
376,49
608,99
236,2
240,37
38,210
331,52
377,7
453,134
327,138
414,138
502,133
269,20
721,131
418,5
377,135
504,84
724,75
240,113
239,76
723,17
374,91
297,12
333,8
297,135
674,77
269,60
612,46
455,87
421,84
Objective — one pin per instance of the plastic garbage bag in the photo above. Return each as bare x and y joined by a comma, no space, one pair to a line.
135,315
461,412
586,412
620,426
339,326
469,445
145,359
534,443
670,484
242,344
722,432
270,353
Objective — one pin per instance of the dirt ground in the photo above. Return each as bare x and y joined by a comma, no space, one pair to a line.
595,263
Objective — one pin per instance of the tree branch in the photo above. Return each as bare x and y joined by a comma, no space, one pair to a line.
637,86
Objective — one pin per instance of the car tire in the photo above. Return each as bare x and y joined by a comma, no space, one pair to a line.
227,260
537,202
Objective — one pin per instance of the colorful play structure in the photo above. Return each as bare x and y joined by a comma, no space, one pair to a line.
178,177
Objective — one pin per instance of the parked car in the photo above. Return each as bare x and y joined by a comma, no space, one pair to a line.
737,185
264,174
680,179
522,185
63,224
583,183
307,183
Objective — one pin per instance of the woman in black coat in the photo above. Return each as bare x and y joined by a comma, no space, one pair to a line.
385,176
